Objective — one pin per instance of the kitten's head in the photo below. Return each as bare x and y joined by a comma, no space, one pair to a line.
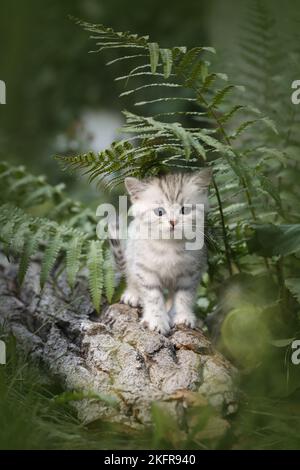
168,205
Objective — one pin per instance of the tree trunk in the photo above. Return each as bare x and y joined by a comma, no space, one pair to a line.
113,354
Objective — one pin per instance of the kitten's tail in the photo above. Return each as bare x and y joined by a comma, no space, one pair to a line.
116,247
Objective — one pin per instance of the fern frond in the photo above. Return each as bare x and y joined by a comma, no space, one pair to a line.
50,256
106,33
30,248
150,85
109,275
73,259
98,166
167,60
25,236
180,85
154,55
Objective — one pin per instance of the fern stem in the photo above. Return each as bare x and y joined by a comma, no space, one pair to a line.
226,242
227,139
283,292
243,182
228,142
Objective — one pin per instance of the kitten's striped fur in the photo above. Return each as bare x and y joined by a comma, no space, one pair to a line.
118,252
154,267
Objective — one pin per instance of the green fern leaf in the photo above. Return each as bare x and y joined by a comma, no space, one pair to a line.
229,114
160,100
26,180
73,259
154,55
126,57
220,95
109,276
242,127
188,60
7,231
269,123
30,248
20,234
150,85
94,263
268,187
138,74
208,80
167,60
37,197
50,256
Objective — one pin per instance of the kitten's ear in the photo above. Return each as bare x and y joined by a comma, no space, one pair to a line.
203,177
134,187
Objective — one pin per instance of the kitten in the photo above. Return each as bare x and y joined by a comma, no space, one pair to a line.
166,207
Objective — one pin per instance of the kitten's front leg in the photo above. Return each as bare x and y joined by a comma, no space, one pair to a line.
131,293
155,316
131,297
183,305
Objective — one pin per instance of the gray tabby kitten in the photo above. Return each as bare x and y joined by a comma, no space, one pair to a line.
164,206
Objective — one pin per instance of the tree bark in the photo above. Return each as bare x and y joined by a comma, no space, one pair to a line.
113,354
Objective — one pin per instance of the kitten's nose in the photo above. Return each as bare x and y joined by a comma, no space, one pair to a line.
173,223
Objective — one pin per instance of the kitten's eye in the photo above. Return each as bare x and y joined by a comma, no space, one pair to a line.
185,210
159,211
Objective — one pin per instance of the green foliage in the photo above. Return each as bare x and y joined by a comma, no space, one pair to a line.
69,244
158,144
50,256
73,259
194,116
109,276
285,240
293,284
94,264
197,120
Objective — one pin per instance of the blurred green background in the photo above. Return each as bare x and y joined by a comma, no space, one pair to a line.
62,99
59,97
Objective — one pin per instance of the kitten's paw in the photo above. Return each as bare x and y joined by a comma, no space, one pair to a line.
157,323
185,318
130,298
